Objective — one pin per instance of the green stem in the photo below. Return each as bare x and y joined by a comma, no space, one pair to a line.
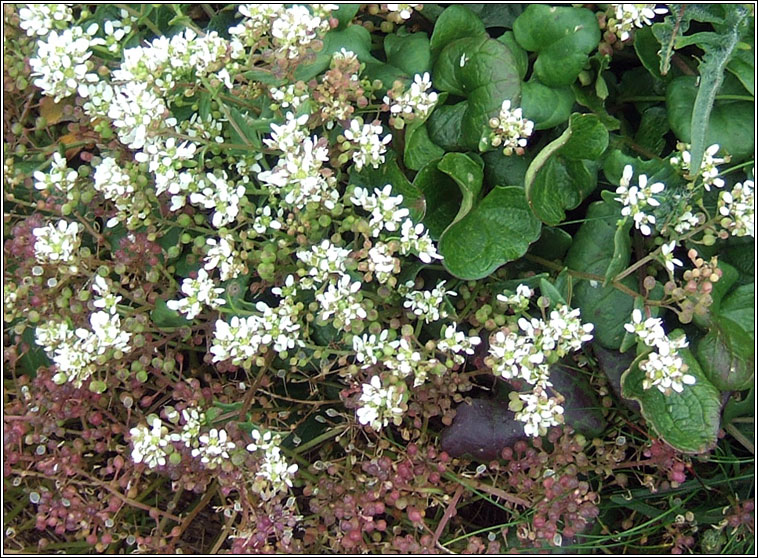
331,433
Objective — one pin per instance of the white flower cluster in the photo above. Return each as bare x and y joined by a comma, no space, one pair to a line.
381,405
528,356
637,199
184,56
134,110
164,158
708,170
149,444
510,130
298,174
193,422
199,292
224,256
221,195
116,185
288,97
457,342
60,177
415,238
368,145
77,353
341,299
415,102
56,243
403,10
274,474
213,448
738,209
39,19
290,30
61,63
628,16
663,368
519,301
323,260
240,339
428,305
381,262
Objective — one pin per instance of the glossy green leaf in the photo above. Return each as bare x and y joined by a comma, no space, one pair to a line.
444,125
561,175
562,36
442,195
546,106
742,66
409,52
456,22
592,252
498,14
484,72
496,231
687,421
345,14
549,291
739,307
499,169
647,47
34,357
727,355
468,174
552,244
651,133
419,148
519,54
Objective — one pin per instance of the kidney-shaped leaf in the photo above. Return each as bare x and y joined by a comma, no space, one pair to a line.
687,421
495,232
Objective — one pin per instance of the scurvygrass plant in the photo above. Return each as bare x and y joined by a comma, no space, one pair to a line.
378,278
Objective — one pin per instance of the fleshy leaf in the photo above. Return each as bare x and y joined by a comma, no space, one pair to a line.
546,106
687,421
468,174
727,355
562,36
561,175
582,410
456,22
443,198
592,252
390,173
409,52
495,232
419,148
485,73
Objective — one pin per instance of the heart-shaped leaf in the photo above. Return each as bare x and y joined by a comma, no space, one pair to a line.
496,231
687,421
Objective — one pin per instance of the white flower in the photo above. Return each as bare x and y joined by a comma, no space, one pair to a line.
369,147
415,101
220,195
200,291
708,170
56,243
369,349
380,405
428,305
667,255
135,110
666,372
415,238
213,447
638,198
107,330
386,209
539,412
60,176
650,331
381,262
324,260
39,19
148,444
274,475
61,62
190,434
510,130
340,300
403,10
457,342
222,254
626,17
519,301
738,209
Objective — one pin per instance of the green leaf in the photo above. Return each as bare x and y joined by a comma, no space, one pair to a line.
519,54
592,252
442,196
546,106
497,15
390,173
718,53
34,357
495,232
468,174
558,179
647,47
549,291
730,123
687,421
345,14
727,355
444,125
739,307
615,161
456,22
163,316
500,170
652,130
552,244
582,411
409,52
562,36
622,251
419,148
742,66
484,72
